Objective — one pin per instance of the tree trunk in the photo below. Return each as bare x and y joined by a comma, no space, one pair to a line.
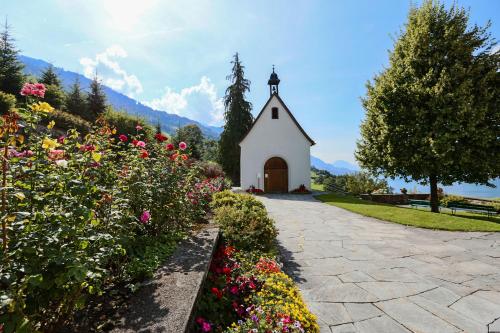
434,194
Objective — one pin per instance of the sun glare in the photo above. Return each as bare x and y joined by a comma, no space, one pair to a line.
126,14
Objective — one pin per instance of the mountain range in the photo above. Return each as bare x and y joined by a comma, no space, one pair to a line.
169,122
336,168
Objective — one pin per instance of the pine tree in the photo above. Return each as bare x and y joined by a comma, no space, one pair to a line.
49,76
96,100
432,116
239,119
11,69
75,102
54,94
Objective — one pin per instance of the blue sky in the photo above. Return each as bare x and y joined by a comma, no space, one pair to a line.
174,55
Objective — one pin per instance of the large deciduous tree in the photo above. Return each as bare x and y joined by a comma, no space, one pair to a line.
433,115
238,117
11,69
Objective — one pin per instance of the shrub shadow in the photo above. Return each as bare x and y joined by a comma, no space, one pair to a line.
290,266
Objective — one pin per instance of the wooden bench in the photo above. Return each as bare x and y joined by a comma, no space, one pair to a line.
454,206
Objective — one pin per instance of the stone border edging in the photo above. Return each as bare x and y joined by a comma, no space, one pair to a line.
166,302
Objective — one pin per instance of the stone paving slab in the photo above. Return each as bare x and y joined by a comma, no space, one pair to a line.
360,274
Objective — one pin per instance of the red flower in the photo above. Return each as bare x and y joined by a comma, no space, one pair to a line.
174,156
184,157
123,138
61,139
87,148
182,145
218,293
234,290
170,146
160,137
144,153
226,270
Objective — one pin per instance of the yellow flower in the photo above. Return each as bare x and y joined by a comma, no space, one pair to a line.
96,157
49,143
42,107
51,124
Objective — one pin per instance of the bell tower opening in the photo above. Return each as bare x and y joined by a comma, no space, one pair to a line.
273,83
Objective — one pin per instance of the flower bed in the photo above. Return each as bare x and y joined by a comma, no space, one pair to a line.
254,190
246,290
302,189
84,214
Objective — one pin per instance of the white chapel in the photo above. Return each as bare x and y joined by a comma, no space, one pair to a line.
276,151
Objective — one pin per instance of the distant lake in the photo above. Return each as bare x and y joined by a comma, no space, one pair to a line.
466,190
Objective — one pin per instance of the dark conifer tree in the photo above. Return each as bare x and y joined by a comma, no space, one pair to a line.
96,100
11,69
49,76
54,94
75,102
239,119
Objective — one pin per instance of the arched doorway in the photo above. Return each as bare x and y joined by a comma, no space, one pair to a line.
276,175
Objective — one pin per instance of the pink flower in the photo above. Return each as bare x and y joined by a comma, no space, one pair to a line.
206,327
182,145
30,89
145,216
138,127
61,139
56,154
170,146
27,89
123,138
234,290
141,144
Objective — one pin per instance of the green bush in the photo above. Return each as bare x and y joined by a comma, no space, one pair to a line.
247,227
229,198
126,124
7,102
65,121
446,200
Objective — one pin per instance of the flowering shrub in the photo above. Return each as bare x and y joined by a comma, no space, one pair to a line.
302,189
245,294
79,214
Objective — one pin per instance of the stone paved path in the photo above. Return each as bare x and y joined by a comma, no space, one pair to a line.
359,274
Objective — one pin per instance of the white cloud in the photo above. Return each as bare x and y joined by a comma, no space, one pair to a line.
199,102
110,71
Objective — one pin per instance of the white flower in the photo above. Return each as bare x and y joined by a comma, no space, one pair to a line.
62,163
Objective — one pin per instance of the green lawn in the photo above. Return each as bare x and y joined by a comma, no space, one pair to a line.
414,217
317,187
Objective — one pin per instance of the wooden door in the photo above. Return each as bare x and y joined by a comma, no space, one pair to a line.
276,175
